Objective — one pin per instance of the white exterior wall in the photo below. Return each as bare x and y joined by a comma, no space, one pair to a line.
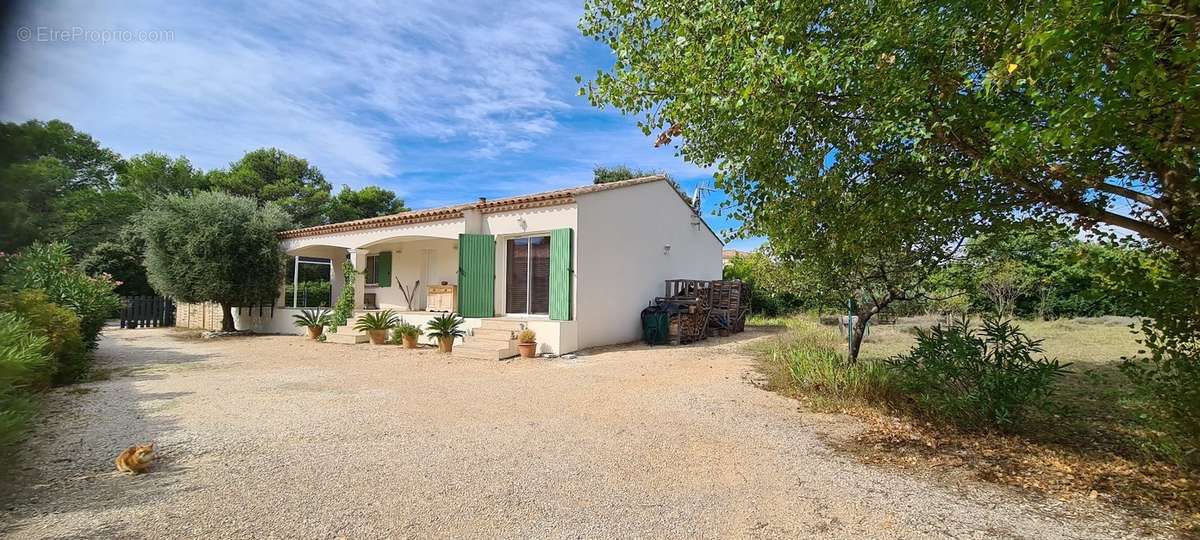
407,261
621,264
555,337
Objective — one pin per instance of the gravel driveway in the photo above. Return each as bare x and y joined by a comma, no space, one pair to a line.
274,436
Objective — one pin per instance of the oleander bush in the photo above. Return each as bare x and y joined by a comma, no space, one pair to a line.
64,340
50,268
25,365
988,376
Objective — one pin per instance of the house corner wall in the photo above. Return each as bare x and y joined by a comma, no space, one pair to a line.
623,261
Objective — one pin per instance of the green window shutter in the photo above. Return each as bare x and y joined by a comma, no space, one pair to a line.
383,268
560,274
476,275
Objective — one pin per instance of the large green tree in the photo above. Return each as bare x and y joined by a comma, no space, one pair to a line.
58,184
1088,111
153,175
370,201
875,240
215,247
272,175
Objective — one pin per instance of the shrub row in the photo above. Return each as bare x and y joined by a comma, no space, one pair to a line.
51,315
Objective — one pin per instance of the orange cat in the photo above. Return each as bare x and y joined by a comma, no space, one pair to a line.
136,459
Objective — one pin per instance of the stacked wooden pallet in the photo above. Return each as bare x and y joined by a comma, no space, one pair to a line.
699,308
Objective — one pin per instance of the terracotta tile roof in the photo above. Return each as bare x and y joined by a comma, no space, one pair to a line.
546,198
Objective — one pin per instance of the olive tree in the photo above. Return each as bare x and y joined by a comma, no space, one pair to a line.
214,247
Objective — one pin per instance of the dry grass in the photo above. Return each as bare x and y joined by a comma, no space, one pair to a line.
1098,443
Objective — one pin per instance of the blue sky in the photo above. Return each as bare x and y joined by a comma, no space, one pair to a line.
438,101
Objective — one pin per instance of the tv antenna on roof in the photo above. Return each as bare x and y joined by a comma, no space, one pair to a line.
697,194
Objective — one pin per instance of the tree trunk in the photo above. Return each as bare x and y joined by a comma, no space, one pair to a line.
862,317
227,318
860,327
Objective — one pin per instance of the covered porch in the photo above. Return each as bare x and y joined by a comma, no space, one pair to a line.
396,273
501,269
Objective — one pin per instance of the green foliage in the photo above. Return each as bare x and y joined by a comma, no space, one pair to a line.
1170,377
122,259
43,165
317,293
604,175
877,242
311,317
1053,272
152,175
86,217
526,336
445,326
345,302
90,164
809,361
377,320
405,329
214,247
69,360
1167,371
49,268
769,294
1066,108
370,201
272,175
983,377
24,365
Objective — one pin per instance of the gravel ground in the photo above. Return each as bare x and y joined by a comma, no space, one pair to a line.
274,436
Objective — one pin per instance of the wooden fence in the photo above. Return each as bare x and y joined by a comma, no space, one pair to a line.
147,312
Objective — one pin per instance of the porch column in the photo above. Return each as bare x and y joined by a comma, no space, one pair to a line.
358,257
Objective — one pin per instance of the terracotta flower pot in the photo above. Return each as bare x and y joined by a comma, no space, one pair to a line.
445,344
314,332
410,342
378,337
528,350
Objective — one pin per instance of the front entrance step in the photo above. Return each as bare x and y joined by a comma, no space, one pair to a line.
494,333
463,351
501,324
489,343
347,337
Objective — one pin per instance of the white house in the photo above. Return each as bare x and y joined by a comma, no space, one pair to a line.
575,265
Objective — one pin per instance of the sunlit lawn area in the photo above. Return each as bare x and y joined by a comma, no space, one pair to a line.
1097,440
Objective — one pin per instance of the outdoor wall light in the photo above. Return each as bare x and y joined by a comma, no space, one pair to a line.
667,249
521,222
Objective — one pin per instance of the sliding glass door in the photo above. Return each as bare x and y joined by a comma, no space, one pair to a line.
528,275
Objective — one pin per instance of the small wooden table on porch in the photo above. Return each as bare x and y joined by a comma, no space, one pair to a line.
441,298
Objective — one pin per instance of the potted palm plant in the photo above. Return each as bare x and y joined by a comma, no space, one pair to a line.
445,328
527,343
407,333
376,325
312,319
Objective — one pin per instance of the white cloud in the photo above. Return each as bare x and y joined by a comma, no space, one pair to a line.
336,84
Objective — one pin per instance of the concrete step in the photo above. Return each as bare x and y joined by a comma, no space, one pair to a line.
483,342
350,338
494,333
500,324
481,354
